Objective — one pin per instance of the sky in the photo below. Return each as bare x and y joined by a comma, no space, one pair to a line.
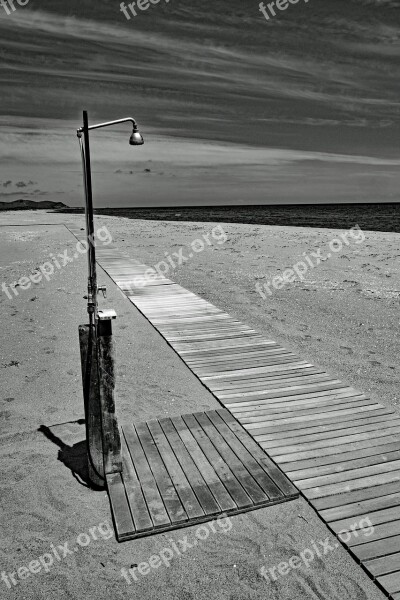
234,109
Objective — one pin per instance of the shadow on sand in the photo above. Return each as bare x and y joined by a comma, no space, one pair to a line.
74,457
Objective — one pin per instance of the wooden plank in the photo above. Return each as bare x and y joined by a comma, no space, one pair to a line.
362,507
241,498
288,391
178,478
164,483
391,582
210,470
365,552
380,532
154,501
297,401
332,441
267,377
177,320
236,405
239,470
385,467
263,479
271,382
256,372
185,346
358,425
200,488
287,408
355,495
306,412
230,366
355,484
384,565
308,418
205,329
343,467
327,421
328,451
233,366
258,343
223,356
210,334
377,517
122,517
137,502
263,459
376,447
248,404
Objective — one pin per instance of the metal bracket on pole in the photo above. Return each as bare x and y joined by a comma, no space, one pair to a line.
106,314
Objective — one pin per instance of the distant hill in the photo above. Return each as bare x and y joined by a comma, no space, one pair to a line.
31,205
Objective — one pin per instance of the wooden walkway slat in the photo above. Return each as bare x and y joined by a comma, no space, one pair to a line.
134,492
341,448
214,480
182,486
165,486
148,484
204,493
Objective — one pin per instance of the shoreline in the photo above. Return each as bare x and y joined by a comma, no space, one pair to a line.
384,217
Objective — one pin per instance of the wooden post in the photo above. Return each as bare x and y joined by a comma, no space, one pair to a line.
106,361
90,378
102,432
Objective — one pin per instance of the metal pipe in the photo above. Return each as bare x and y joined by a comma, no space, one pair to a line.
86,207
110,123
92,282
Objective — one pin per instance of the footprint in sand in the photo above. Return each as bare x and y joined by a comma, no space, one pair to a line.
349,350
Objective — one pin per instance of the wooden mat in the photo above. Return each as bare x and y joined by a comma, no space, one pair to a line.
190,469
341,449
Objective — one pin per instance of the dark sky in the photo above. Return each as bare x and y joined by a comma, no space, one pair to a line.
234,109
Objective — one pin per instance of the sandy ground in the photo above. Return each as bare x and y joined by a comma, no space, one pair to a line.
341,317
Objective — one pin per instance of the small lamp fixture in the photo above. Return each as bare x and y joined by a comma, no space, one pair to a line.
136,138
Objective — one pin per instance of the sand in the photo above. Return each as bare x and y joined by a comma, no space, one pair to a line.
341,317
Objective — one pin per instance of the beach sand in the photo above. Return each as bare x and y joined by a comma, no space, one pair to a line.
342,317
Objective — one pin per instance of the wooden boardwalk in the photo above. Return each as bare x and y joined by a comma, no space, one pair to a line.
341,449
190,469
